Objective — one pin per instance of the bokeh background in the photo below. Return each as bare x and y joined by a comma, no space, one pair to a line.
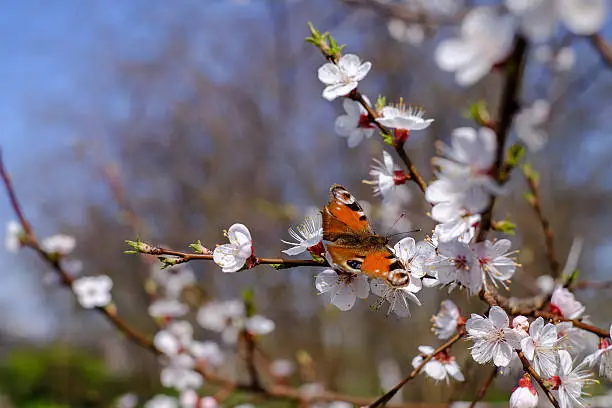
173,120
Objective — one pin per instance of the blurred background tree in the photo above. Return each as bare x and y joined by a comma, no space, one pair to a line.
208,113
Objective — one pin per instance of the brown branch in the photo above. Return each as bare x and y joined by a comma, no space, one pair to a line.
401,12
605,51
399,147
528,368
591,285
485,386
186,257
535,202
517,307
109,312
391,393
507,109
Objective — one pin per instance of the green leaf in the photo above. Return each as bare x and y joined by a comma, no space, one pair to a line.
248,298
569,280
529,197
381,102
479,112
387,138
530,173
506,226
515,154
197,247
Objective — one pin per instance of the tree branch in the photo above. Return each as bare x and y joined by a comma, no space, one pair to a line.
391,393
528,368
605,51
485,386
507,109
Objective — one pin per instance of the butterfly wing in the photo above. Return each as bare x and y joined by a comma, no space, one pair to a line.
343,214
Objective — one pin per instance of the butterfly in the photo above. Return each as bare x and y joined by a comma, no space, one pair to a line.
352,244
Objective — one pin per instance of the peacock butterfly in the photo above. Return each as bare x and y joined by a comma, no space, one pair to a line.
352,244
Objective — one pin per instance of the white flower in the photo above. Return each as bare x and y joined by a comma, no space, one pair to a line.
520,324
441,367
179,374
564,303
93,291
343,288
525,395
493,339
173,279
401,31
460,228
59,243
385,176
545,284
570,381
162,401
603,356
447,320
191,399
163,308
455,264
259,324
232,257
174,338
541,347
465,181
128,400
12,242
355,125
539,18
486,39
404,117
529,123
565,59
413,256
397,297
207,352
574,339
225,317
282,368
307,234
494,261
343,77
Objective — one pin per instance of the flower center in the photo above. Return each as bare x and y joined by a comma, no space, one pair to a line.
365,122
401,135
399,177
554,309
461,262
604,344
444,357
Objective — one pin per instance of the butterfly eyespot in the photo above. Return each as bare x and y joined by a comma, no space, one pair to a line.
354,264
344,197
398,277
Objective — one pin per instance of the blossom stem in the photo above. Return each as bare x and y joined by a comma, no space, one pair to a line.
507,109
399,147
529,369
485,386
549,236
391,393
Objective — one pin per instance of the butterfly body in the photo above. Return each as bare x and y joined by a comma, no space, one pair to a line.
352,244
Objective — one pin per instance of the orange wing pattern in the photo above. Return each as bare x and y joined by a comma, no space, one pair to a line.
346,214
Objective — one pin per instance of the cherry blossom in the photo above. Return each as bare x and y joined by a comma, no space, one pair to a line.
447,320
529,124
569,382
485,39
229,318
525,395
401,31
539,18
540,347
93,291
397,297
166,308
455,264
602,357
355,125
343,288
545,284
178,373
12,240
60,244
162,401
385,176
493,339
173,279
258,324
461,228
343,77
282,368
404,117
174,338
307,235
565,304
574,339
494,261
520,324
191,399
413,256
442,366
232,257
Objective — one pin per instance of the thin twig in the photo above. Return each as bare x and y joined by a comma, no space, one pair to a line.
605,51
507,109
528,368
391,393
535,202
402,12
485,386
